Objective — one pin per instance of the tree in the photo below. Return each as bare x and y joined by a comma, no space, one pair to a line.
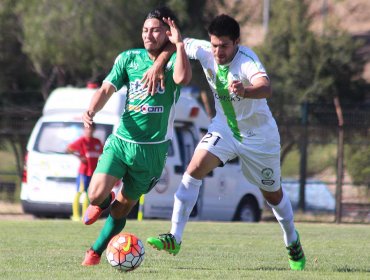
67,40
288,54
70,42
16,75
359,164
305,67
339,69
15,67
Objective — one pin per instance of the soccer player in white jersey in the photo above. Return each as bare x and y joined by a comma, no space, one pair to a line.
242,127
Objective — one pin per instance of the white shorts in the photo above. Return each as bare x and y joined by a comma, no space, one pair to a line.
259,153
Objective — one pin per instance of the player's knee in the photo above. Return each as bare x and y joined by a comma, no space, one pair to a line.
201,164
95,197
273,198
197,171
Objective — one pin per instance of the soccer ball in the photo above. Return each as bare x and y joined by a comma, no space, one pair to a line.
125,251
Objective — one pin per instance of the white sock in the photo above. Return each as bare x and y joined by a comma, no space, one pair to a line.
185,198
284,215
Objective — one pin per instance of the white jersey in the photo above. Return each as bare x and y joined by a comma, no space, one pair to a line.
241,115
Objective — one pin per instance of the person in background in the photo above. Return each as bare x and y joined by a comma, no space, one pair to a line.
88,149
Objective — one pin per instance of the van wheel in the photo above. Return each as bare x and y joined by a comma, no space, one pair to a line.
248,210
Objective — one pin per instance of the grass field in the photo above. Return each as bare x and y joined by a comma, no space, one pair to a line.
54,249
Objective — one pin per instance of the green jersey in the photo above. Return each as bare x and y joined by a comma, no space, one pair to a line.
146,119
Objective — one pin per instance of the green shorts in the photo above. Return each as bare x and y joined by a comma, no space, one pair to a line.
139,165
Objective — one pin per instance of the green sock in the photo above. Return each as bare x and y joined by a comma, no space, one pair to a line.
105,204
111,228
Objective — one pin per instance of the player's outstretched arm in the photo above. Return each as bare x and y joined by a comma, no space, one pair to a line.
261,88
99,99
155,74
182,71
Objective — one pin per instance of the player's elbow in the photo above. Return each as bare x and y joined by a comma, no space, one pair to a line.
183,79
268,91
107,89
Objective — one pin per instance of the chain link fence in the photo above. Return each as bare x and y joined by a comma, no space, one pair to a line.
304,128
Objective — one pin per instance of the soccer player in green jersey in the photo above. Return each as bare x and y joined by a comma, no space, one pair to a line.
137,151
242,127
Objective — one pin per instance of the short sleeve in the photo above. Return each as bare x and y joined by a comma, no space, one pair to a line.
118,75
253,68
76,145
197,49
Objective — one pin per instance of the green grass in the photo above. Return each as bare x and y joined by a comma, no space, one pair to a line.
54,249
8,161
8,171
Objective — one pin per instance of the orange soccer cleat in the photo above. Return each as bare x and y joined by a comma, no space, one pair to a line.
91,258
93,212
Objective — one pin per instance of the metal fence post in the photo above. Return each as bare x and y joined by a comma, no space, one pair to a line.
340,162
303,158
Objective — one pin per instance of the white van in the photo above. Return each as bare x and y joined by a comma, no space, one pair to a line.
49,181
49,177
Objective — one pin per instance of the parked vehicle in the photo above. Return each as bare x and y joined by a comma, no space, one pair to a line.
48,183
49,177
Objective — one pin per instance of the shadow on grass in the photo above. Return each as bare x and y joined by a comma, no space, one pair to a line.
236,269
351,269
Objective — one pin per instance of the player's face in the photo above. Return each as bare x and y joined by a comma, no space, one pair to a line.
154,35
223,48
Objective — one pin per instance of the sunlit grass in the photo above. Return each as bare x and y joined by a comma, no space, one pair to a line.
54,249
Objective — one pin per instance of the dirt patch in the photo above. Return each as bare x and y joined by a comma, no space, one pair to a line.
13,211
16,217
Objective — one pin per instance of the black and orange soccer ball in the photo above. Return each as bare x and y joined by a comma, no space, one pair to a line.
125,251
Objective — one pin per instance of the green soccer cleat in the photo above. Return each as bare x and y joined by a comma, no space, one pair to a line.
297,259
165,242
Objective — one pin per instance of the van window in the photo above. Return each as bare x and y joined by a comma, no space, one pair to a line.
187,144
54,137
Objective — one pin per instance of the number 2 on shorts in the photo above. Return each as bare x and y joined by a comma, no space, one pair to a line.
209,138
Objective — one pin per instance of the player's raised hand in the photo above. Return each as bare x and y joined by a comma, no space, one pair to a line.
173,34
152,77
236,87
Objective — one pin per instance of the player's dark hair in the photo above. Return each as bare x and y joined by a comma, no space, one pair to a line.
224,25
162,12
